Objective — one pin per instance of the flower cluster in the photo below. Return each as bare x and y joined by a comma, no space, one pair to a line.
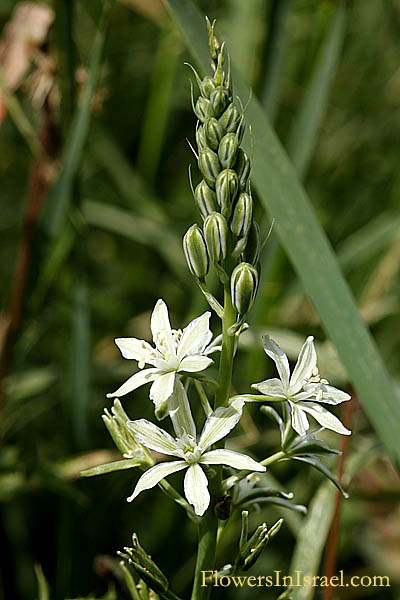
229,237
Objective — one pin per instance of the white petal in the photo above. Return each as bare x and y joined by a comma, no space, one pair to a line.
135,381
306,362
154,475
231,459
162,388
196,489
280,359
324,417
153,437
215,346
161,329
330,394
306,395
270,387
299,420
220,423
193,364
195,336
180,413
139,350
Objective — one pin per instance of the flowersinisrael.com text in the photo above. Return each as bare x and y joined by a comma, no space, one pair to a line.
299,579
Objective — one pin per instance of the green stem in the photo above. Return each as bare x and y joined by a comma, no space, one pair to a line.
231,481
227,352
208,527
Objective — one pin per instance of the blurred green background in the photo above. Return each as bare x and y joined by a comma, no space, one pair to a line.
106,93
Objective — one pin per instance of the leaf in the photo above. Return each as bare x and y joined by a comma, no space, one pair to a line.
43,586
317,464
118,465
308,120
311,539
309,251
59,198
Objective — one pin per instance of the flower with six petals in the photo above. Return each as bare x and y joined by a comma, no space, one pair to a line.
303,389
175,351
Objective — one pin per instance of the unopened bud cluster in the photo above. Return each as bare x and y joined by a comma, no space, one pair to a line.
229,238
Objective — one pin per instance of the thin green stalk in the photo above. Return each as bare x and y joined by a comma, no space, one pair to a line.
234,479
207,531
228,351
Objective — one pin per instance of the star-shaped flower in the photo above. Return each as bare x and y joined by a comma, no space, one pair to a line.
175,351
190,452
303,389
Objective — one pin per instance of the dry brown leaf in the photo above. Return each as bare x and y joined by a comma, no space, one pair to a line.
22,37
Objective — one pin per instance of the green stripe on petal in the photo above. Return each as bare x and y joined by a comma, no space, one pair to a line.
270,387
196,489
220,423
299,420
180,413
324,417
193,364
280,359
154,475
161,329
195,336
134,349
137,380
153,437
306,362
231,459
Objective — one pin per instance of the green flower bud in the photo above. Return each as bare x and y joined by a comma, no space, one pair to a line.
242,168
251,253
201,138
226,187
145,567
216,234
244,284
203,109
207,86
209,165
195,249
212,133
242,215
227,150
205,198
219,99
230,119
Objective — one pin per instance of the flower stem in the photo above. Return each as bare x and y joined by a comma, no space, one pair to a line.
234,479
208,527
227,352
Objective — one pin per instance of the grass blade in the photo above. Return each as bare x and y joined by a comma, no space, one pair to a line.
312,538
60,196
309,251
303,137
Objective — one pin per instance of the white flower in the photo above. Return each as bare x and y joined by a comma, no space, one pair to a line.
303,389
190,452
175,351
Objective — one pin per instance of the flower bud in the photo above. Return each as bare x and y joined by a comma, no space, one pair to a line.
216,234
242,168
244,284
230,119
212,132
219,99
209,165
226,187
205,198
227,150
195,249
242,215
252,251
201,138
207,86
203,109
